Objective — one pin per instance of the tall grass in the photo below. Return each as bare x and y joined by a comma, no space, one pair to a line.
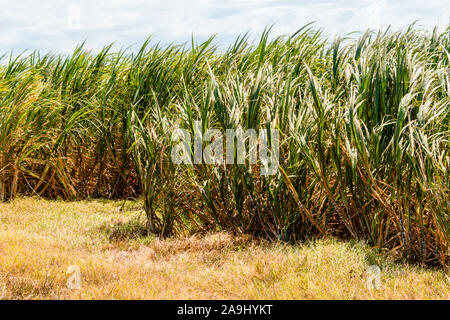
363,125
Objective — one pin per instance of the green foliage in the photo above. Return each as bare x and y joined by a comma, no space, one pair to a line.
363,124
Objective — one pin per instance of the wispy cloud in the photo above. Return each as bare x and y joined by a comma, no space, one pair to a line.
59,25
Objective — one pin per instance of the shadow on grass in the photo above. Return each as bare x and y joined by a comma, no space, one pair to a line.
124,231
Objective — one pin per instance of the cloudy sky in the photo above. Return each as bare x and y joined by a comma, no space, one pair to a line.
58,25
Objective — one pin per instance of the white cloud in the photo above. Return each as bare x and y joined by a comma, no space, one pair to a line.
59,25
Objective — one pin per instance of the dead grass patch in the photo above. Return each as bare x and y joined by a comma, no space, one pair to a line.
40,239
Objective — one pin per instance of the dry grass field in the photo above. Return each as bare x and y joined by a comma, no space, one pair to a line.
39,239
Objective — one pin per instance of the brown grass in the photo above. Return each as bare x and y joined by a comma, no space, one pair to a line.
40,239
